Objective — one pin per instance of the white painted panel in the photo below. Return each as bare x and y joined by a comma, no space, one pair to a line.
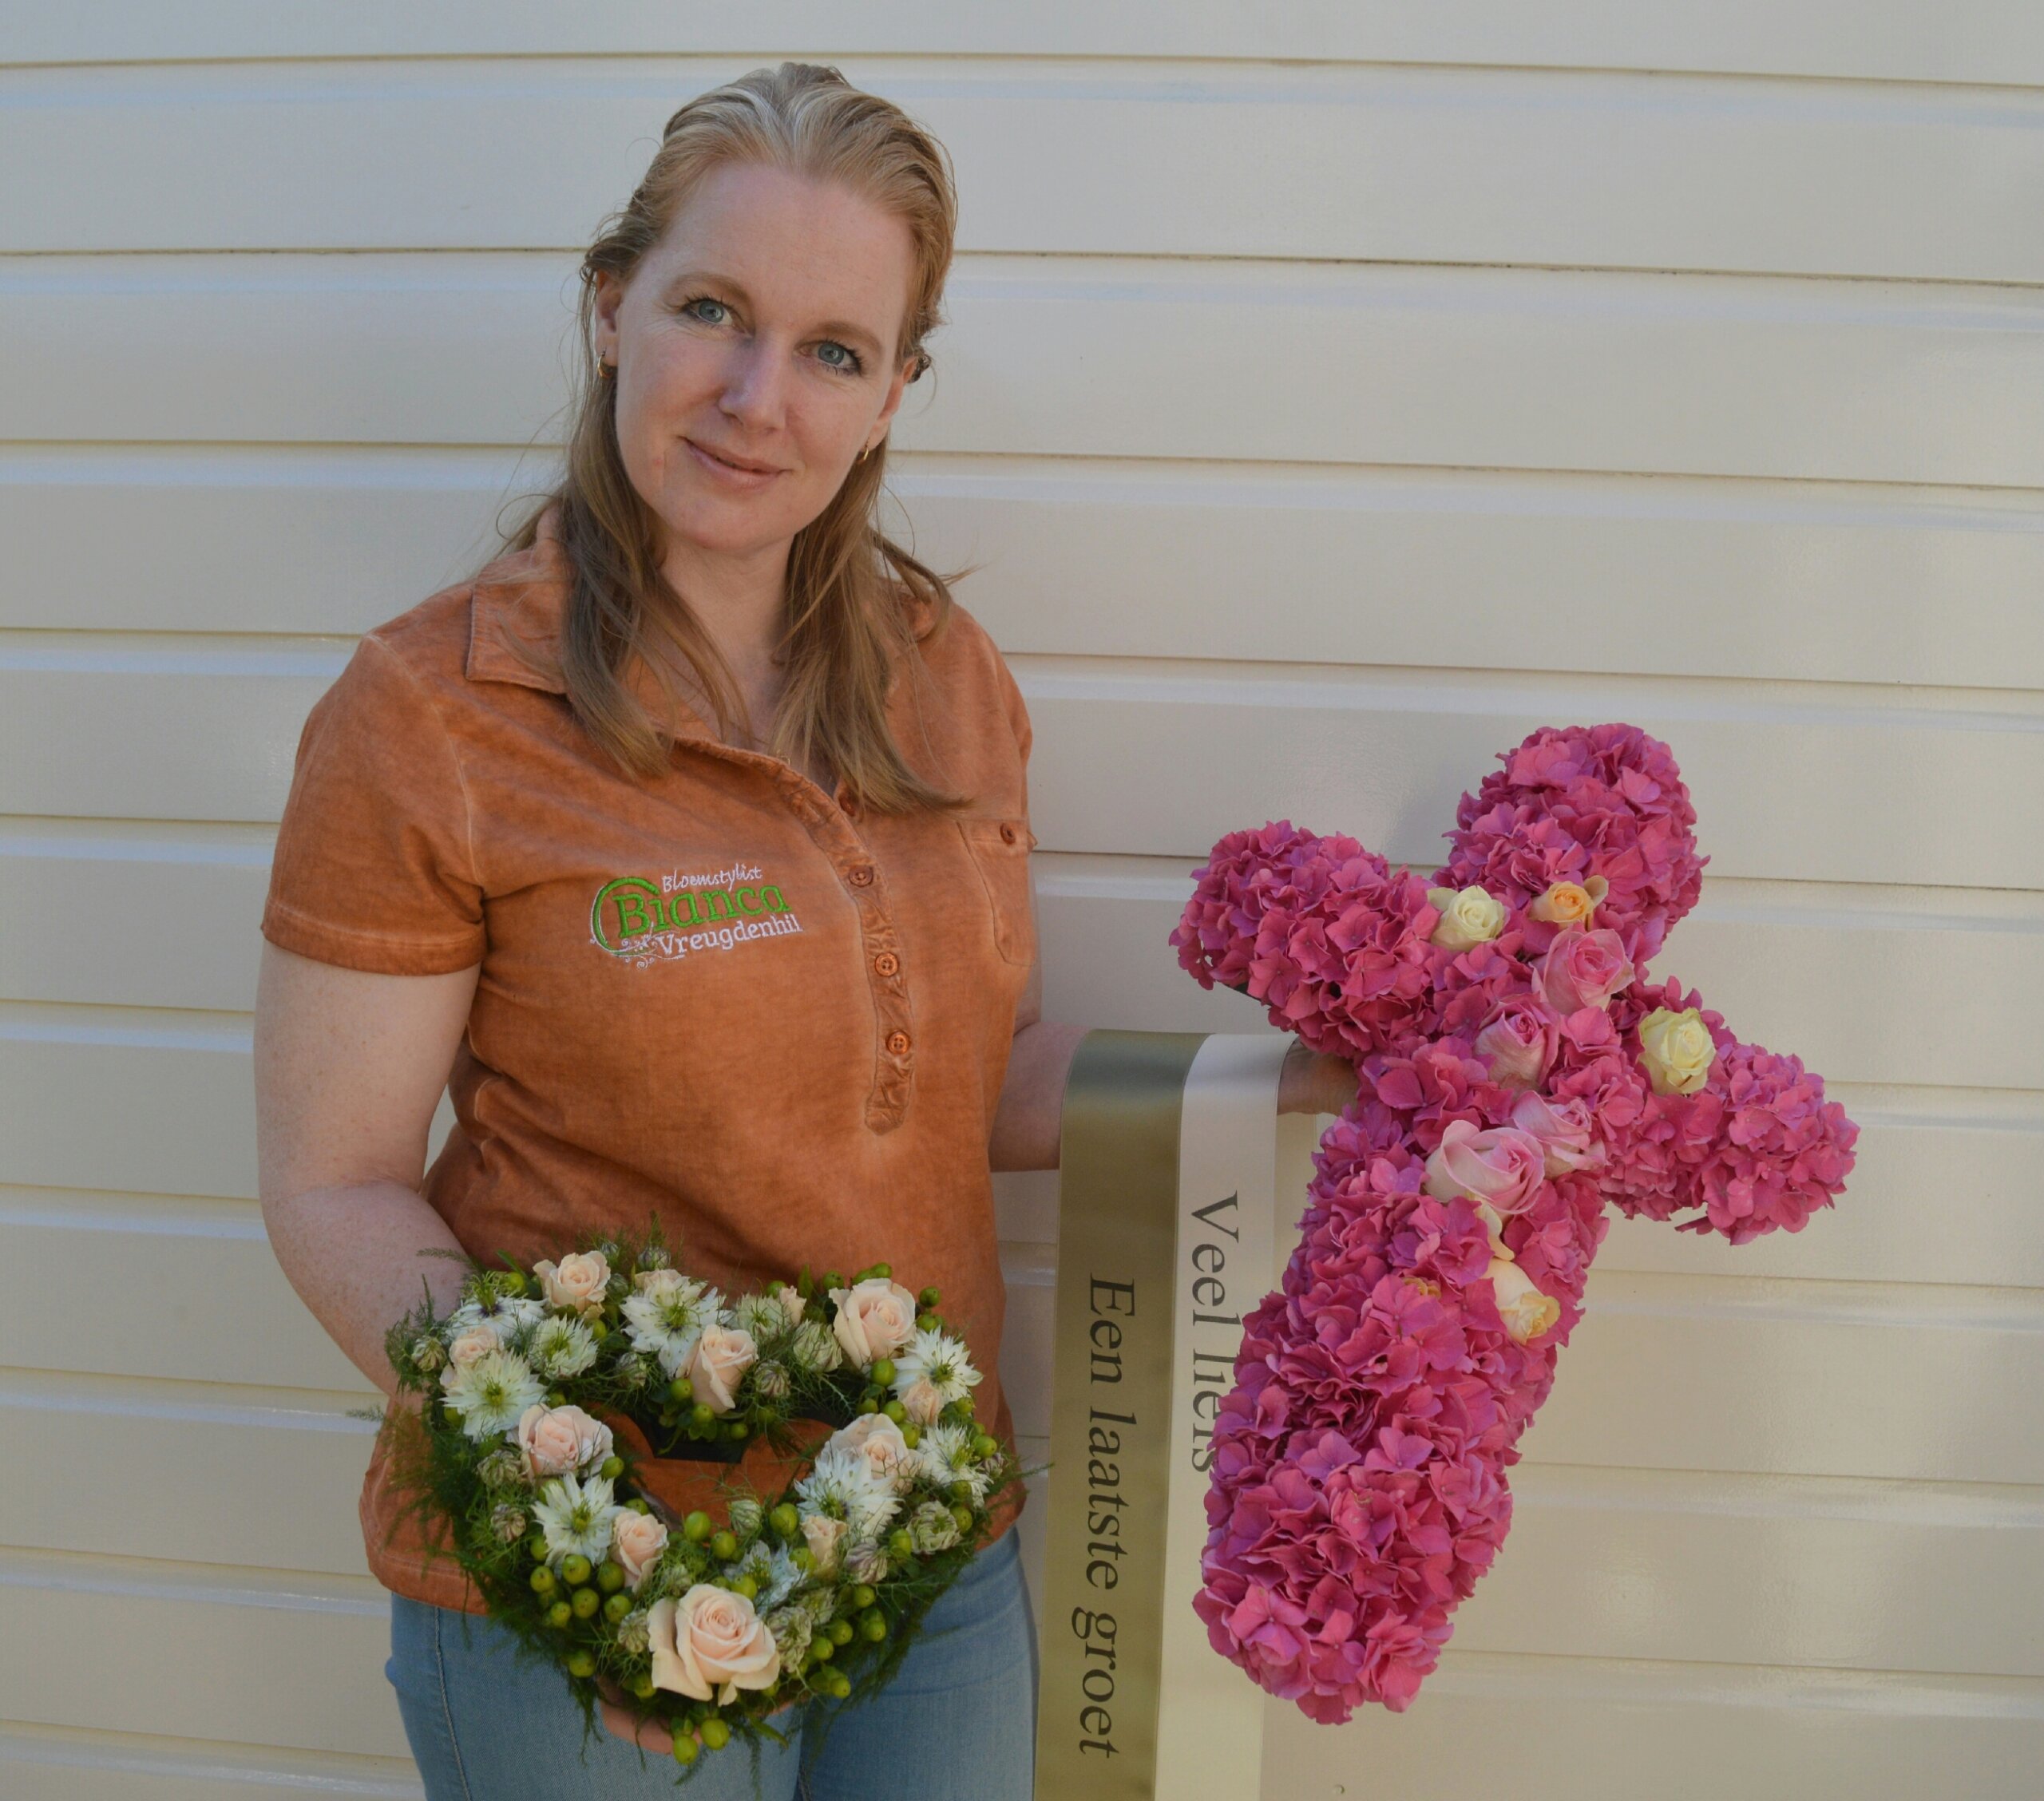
258,1657
50,1764
1961,41
1197,159
188,730
1674,1732
1599,574
1298,362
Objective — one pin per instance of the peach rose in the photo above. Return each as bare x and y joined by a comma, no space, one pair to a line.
791,1303
1566,1131
875,1319
717,1365
636,1541
710,1636
658,1282
467,1345
876,1439
1504,1166
576,1282
922,1400
1583,969
824,1536
1568,903
1525,1311
558,1441
1519,1042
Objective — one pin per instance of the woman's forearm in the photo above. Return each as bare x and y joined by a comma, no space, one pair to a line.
357,1256
1032,1111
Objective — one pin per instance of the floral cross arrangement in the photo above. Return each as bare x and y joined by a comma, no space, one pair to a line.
1517,1071
716,1507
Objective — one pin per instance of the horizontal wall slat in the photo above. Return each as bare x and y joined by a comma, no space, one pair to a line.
1561,169
1525,571
1605,1563
198,1650
49,1763
1964,41
1491,368
1677,1731
1822,785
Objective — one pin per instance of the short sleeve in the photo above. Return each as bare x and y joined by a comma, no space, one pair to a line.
374,866
1018,713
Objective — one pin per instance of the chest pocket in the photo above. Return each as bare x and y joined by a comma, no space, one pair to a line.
1000,852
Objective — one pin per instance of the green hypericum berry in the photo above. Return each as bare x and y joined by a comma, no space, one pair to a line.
640,1505
785,1521
585,1603
928,1300
830,1279
575,1567
678,1388
737,1429
698,1527
642,1685
872,1626
862,1597
716,1735
610,1468
869,1403
536,1546
581,1663
821,1649
686,1749
542,1580
927,1322
609,1577
895,1411
986,1446
700,1417
963,1515
883,1372
724,1546
555,1398
597,1329
616,1608
558,1616
839,1684
912,1434
841,1632
899,1545
514,1281
961,1491
746,1586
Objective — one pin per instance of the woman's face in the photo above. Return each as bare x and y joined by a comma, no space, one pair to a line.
760,331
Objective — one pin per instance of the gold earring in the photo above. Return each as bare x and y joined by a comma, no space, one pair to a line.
866,452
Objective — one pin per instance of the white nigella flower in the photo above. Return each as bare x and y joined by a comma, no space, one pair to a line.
761,1315
667,1318
562,1346
577,1515
939,1359
814,1346
503,1314
944,1456
490,1393
843,1484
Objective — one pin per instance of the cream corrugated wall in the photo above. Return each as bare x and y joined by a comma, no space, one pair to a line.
1335,391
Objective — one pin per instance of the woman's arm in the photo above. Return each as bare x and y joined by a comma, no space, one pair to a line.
349,1068
1027,1123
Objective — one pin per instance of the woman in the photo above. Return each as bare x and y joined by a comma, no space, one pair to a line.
687,845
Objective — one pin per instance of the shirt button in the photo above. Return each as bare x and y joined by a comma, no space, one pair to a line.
887,963
898,1043
862,876
1008,834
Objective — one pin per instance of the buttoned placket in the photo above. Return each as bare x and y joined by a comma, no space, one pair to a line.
828,821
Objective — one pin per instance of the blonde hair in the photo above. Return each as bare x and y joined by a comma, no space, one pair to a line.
856,601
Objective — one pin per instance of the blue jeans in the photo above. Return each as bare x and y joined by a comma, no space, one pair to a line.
958,1723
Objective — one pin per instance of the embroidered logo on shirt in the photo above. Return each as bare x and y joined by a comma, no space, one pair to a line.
647,920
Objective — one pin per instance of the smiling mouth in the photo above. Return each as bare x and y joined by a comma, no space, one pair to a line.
725,462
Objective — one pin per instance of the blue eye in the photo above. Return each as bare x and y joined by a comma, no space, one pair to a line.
704,300
851,365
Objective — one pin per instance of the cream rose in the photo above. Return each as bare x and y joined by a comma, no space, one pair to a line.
577,1281
825,1537
1470,916
1525,1311
658,1282
717,1365
1493,1223
711,1636
1504,1166
636,1540
922,1400
876,1439
792,1304
1583,969
1566,1131
559,1441
1568,903
470,1344
1677,1051
875,1319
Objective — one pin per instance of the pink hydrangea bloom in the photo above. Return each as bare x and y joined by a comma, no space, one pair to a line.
1358,1482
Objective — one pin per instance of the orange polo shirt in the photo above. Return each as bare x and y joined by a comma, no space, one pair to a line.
723,997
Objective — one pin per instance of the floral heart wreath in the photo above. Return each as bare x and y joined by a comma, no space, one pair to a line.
717,1508
1516,1072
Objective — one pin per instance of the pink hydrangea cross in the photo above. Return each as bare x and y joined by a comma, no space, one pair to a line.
1518,1072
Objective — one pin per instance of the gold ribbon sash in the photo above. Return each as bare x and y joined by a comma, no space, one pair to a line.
1168,1160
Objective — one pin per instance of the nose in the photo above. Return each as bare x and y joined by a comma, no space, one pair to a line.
754,392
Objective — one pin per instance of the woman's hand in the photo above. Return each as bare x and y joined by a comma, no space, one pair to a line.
615,1707
1310,1082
